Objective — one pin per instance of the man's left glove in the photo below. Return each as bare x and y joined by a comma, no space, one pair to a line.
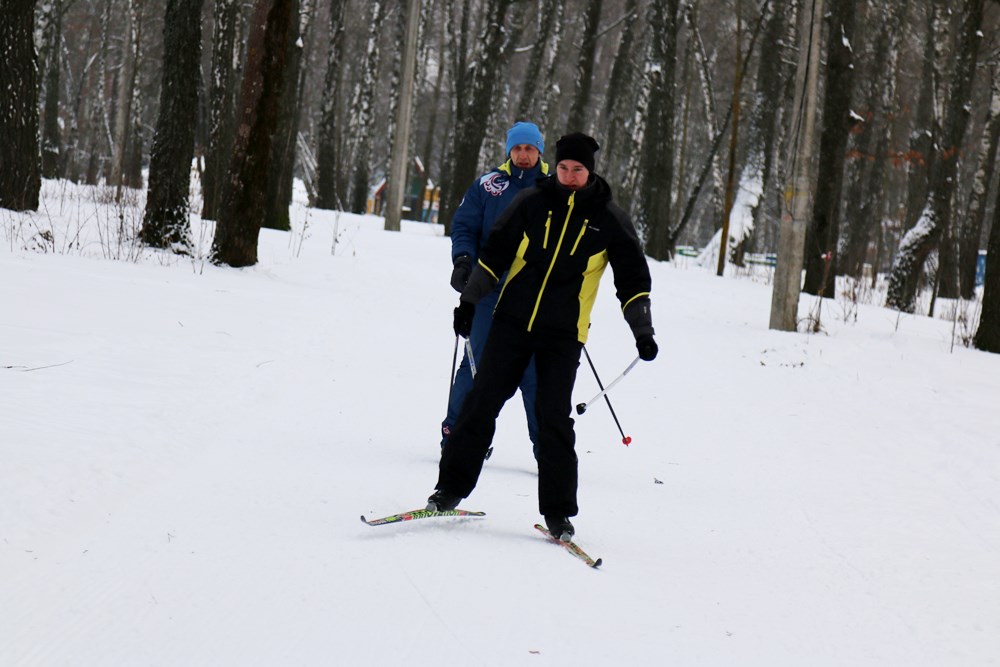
463,318
460,274
647,347
640,319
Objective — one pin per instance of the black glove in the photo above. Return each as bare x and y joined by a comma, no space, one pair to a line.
646,346
460,274
463,318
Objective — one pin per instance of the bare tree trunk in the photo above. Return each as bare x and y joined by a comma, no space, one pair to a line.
132,169
683,158
709,163
733,142
499,113
363,112
823,231
221,102
432,123
549,111
765,135
658,140
397,37
73,164
244,194
620,83
456,31
529,91
972,225
926,236
99,136
946,278
51,40
20,156
472,110
400,151
711,116
279,185
328,161
921,150
130,54
867,202
988,333
166,223
585,68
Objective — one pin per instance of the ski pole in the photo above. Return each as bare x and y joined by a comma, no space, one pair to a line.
472,357
472,367
625,439
582,407
454,364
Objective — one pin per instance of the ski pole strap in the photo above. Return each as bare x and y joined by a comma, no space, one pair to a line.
609,387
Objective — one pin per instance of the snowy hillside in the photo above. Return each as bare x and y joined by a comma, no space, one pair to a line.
186,451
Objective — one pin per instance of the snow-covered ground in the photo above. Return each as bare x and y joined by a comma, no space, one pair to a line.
186,450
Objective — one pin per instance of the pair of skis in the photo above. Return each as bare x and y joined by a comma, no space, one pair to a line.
570,546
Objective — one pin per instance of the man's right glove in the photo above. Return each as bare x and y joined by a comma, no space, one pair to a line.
647,347
463,318
460,274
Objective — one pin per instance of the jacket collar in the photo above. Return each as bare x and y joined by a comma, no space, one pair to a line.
539,170
597,190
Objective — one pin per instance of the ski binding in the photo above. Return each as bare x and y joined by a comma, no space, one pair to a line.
570,546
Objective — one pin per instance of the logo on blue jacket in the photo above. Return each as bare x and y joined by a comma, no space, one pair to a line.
495,183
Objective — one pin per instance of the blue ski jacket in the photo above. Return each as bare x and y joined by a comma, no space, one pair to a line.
484,201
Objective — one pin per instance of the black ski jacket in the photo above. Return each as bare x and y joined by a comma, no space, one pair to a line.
554,244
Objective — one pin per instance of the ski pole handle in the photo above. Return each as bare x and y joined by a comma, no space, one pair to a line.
582,407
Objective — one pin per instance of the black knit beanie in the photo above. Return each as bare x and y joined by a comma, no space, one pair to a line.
577,146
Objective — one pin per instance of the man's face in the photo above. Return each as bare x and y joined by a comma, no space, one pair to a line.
525,156
572,174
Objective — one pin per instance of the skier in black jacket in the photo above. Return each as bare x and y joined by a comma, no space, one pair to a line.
554,240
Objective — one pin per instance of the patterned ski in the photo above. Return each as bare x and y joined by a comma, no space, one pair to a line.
571,547
417,514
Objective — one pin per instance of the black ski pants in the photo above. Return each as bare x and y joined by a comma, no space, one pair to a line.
509,348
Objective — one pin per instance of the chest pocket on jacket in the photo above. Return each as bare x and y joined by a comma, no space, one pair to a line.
593,239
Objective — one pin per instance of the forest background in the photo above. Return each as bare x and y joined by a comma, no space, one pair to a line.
698,106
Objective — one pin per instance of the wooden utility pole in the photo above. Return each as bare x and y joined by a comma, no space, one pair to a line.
798,193
396,187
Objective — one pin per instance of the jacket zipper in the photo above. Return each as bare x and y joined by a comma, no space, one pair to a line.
555,256
548,223
583,228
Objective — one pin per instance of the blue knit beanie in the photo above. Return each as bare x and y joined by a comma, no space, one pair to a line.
525,133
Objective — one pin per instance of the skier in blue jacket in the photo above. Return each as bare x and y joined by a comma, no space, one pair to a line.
483,202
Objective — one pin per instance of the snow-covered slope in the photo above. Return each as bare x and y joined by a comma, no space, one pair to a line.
186,451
